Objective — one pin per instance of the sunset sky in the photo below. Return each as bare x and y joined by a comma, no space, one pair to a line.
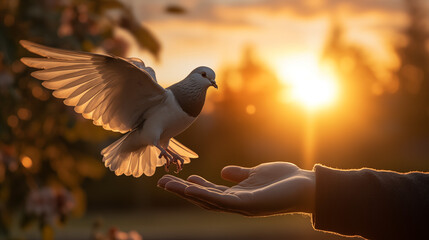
287,35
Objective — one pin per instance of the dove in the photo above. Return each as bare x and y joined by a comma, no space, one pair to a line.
123,95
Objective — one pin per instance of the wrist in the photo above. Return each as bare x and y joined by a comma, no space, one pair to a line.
309,201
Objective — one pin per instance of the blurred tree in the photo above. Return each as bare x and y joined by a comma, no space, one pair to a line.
413,73
351,63
348,138
46,150
385,121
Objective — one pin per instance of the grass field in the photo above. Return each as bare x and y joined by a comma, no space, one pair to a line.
188,224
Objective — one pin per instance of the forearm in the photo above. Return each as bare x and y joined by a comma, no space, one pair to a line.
373,204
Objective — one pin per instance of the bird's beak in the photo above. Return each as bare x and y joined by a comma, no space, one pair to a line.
214,84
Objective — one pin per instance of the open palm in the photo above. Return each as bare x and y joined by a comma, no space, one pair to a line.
267,189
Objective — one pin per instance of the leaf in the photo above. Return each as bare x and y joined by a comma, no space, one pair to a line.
109,4
175,9
105,5
7,47
144,37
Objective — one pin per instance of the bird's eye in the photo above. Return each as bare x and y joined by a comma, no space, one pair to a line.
204,74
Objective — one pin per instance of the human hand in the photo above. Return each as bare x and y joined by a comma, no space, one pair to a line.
267,189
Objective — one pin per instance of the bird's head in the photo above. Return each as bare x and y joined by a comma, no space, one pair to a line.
204,76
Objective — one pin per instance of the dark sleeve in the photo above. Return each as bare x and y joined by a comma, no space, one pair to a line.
373,204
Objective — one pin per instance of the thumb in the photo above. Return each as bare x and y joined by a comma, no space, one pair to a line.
235,173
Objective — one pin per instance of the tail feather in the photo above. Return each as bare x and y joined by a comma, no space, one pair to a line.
114,145
140,166
136,163
127,164
141,161
150,158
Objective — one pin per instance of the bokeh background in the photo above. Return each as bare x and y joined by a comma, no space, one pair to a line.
342,83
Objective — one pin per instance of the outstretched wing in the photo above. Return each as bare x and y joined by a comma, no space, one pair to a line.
114,92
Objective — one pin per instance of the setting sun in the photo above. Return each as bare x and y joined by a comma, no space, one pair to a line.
309,83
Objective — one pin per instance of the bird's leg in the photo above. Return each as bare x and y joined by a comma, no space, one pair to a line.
167,157
178,160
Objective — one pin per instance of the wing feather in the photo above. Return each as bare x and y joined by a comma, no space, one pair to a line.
46,75
47,63
114,92
95,102
89,95
82,80
55,52
59,83
181,150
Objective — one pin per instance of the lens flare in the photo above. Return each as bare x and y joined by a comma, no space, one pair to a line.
26,162
309,83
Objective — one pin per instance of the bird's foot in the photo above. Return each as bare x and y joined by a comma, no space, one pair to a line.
177,160
179,163
168,159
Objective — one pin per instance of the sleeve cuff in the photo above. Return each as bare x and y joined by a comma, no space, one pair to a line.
339,207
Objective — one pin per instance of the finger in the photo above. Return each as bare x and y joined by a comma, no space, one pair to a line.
177,185
169,178
235,174
178,188
162,181
222,200
203,182
165,179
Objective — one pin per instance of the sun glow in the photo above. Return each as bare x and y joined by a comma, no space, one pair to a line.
307,81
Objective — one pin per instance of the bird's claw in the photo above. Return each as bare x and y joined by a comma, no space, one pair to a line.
179,163
179,166
172,158
168,159
177,160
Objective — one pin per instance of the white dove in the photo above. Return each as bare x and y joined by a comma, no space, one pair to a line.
122,95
